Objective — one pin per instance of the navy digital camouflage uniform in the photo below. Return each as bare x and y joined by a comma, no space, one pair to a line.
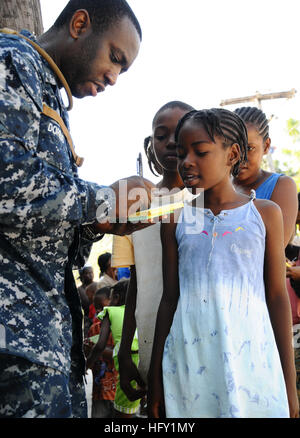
43,207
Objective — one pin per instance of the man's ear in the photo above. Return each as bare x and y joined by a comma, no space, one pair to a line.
267,145
79,24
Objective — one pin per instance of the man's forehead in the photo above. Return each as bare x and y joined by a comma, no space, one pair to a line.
124,36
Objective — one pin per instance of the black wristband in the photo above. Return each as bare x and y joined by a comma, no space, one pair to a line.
89,233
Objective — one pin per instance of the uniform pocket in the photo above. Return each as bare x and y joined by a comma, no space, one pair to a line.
16,398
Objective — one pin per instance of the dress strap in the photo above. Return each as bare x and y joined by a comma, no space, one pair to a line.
252,194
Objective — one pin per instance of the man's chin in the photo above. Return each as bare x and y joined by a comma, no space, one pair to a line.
77,90
77,93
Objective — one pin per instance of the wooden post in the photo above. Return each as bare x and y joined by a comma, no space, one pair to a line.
21,14
258,97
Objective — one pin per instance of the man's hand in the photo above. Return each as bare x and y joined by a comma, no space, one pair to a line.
293,272
130,195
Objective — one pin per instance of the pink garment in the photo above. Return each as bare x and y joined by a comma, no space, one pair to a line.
294,300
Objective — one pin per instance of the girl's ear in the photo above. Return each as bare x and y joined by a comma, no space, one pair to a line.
267,145
234,155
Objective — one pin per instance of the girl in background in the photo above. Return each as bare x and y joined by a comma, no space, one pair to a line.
267,185
112,322
143,252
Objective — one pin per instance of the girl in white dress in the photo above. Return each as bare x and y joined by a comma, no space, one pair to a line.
223,338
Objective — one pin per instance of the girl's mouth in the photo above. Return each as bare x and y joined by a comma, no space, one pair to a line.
190,179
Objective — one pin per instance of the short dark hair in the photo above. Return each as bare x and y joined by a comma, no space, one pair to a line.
103,291
148,147
82,270
223,123
103,261
256,117
103,13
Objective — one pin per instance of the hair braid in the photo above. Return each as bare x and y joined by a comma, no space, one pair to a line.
255,116
152,161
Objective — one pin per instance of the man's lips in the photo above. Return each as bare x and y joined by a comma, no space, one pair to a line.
100,86
96,87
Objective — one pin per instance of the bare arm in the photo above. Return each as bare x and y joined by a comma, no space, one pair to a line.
285,195
164,319
277,297
101,344
127,368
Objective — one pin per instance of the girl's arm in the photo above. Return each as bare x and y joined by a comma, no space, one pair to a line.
101,343
127,368
166,310
285,195
277,297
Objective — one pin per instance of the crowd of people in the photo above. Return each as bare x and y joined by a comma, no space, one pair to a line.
205,322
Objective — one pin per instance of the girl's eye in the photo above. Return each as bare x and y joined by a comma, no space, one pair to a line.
251,148
201,154
160,137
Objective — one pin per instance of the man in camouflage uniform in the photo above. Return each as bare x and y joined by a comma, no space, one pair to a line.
47,213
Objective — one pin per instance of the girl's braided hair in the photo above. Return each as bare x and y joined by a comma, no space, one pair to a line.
222,123
255,116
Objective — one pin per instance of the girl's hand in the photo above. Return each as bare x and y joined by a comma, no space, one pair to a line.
155,399
294,405
128,372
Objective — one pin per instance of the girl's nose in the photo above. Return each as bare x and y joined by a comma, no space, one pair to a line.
171,143
187,162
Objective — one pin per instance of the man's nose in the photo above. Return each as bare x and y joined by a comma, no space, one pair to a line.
112,77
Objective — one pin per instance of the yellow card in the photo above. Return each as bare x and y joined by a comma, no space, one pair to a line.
152,213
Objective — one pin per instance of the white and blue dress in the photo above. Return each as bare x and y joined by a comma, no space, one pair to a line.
220,358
